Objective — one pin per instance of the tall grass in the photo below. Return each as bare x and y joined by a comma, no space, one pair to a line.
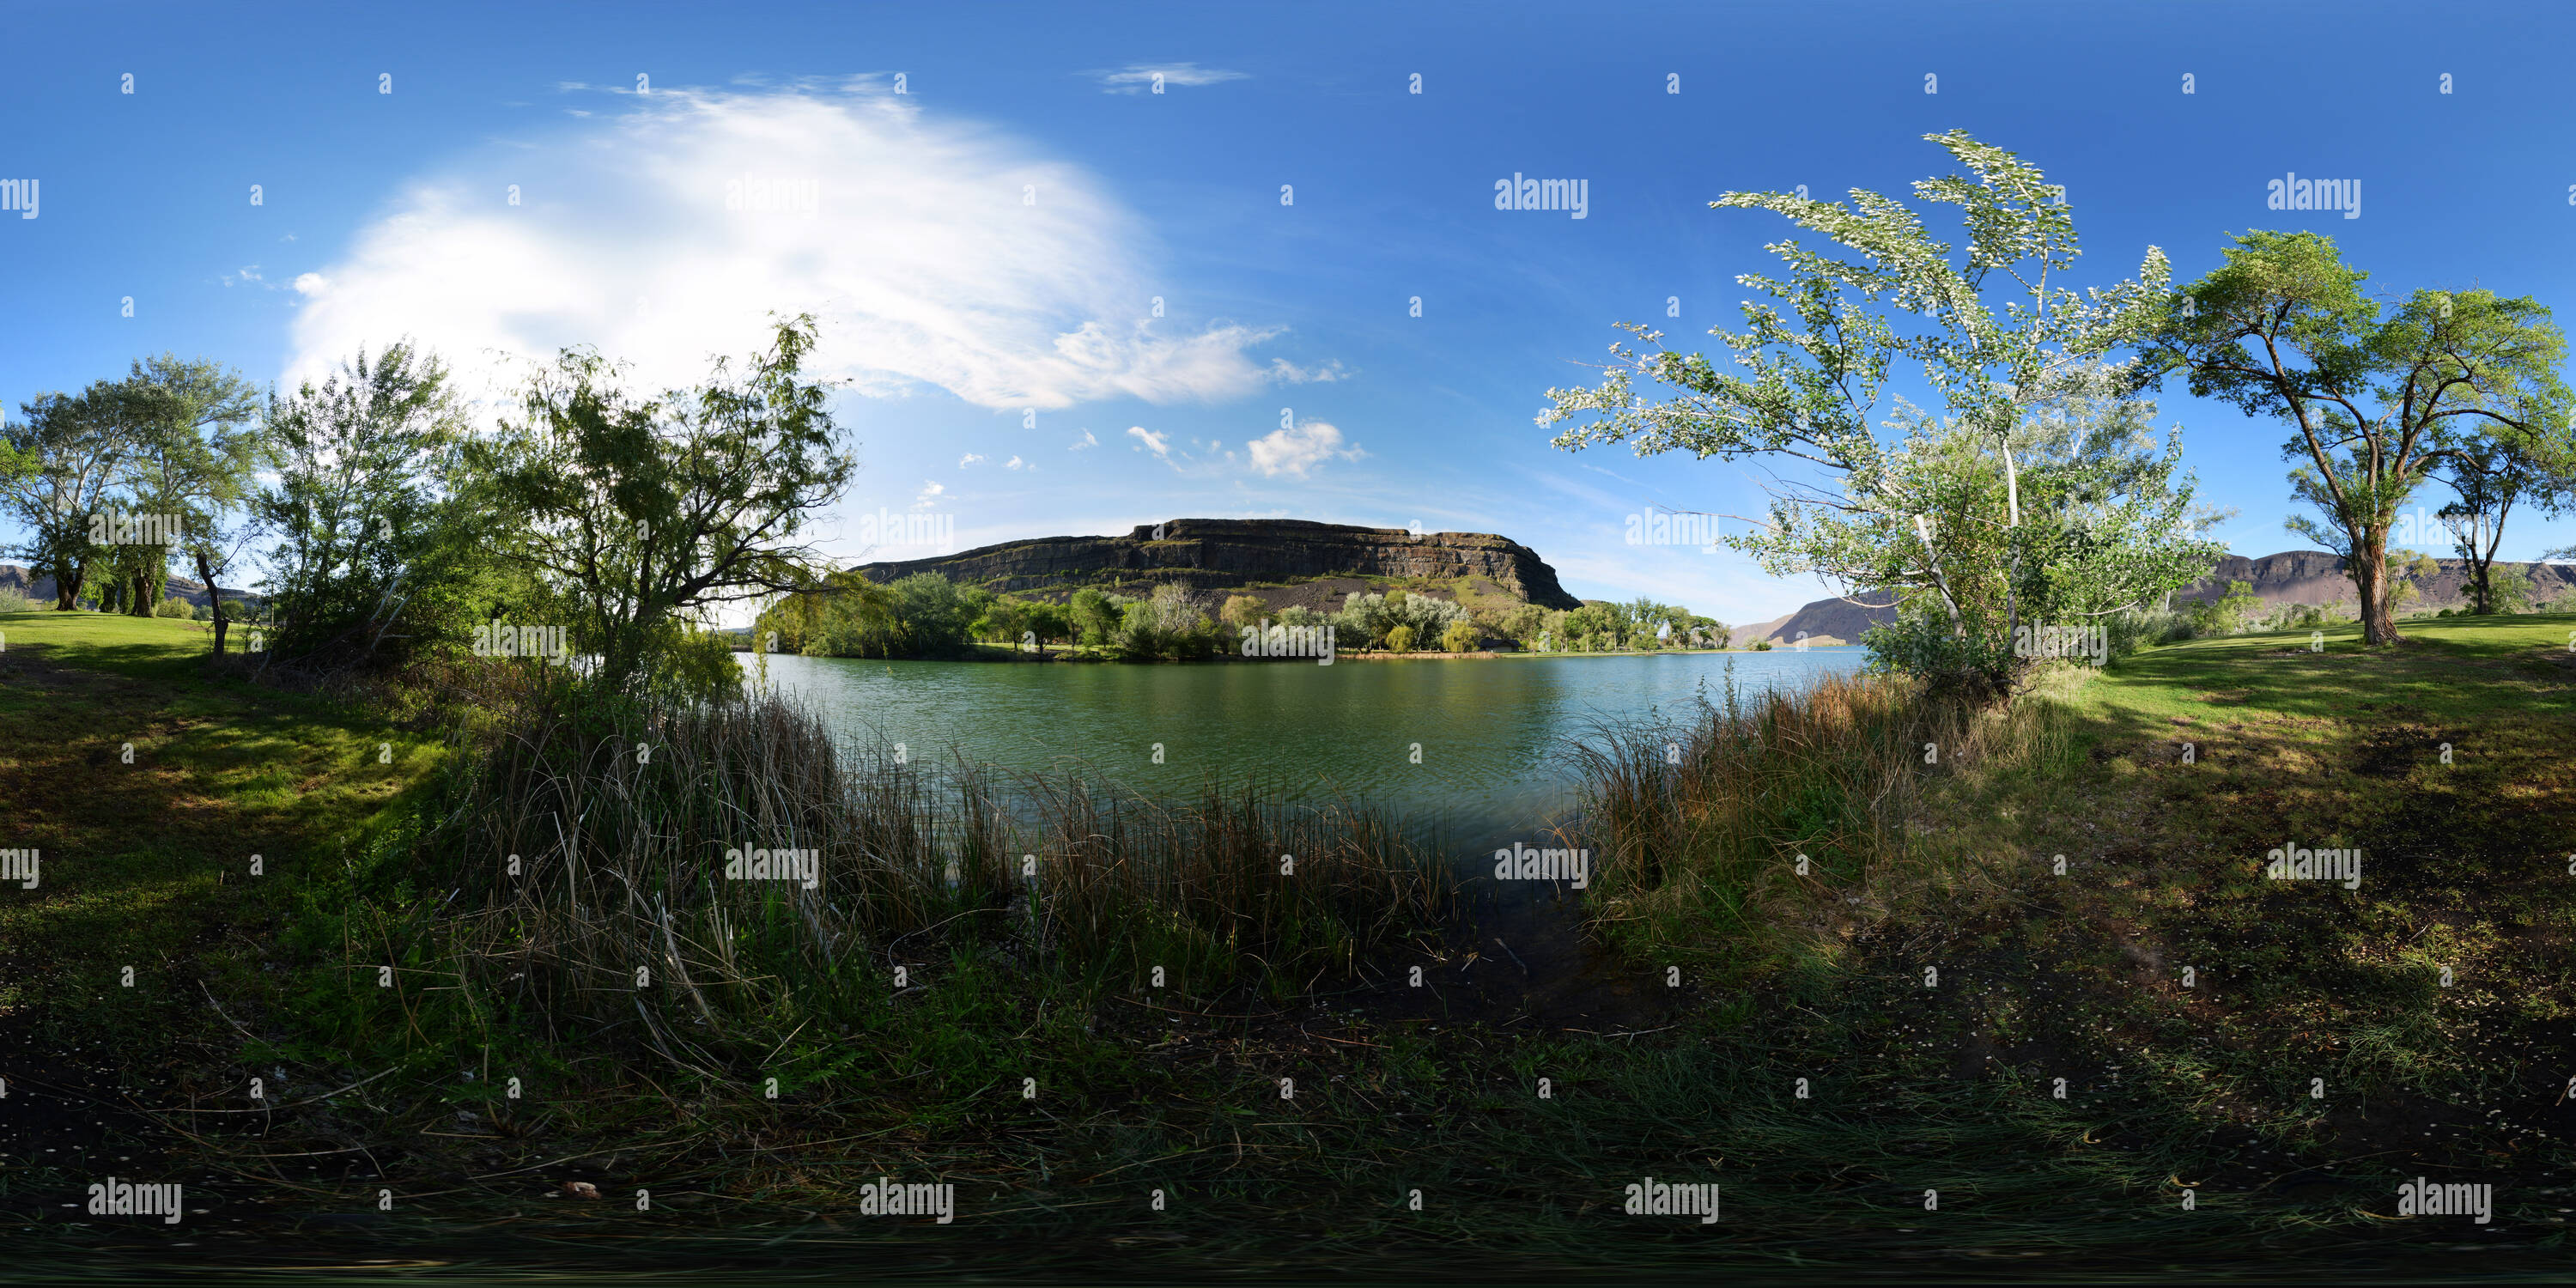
1700,827
619,924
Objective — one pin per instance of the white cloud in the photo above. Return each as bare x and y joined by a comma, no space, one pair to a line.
1087,441
930,493
1299,450
968,459
1015,463
1289,373
1159,444
249,273
904,234
1138,78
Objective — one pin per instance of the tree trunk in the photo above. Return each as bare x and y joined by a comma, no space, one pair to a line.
142,605
214,600
2369,571
67,584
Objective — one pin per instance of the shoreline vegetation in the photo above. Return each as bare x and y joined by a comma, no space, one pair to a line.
926,615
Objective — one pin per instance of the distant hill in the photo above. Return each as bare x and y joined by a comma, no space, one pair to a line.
2290,577
1287,561
15,577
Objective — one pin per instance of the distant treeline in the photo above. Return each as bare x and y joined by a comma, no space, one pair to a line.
927,615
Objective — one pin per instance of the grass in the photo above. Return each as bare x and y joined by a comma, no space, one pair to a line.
1058,1101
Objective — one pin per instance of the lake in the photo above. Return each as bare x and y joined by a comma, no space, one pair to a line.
1494,735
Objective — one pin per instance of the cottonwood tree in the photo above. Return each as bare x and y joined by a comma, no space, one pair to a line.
640,513
196,443
2491,477
2376,395
2035,497
71,449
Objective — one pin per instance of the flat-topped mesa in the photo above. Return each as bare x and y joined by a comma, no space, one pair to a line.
1220,554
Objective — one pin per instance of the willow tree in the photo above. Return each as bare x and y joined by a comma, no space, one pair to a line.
2376,396
2033,494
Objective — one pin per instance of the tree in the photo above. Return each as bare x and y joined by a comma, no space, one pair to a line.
1093,616
374,554
1050,622
1003,622
1459,638
2408,570
196,444
1243,610
2490,475
68,453
2375,397
2035,498
643,513
1400,640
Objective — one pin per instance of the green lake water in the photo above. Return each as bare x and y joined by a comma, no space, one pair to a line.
1495,736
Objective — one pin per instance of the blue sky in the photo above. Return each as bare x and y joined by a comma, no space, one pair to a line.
985,247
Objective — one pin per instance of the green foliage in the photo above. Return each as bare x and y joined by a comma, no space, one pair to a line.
376,558
1094,617
2036,498
2376,395
2229,614
632,512
1400,639
175,607
1461,637
1243,610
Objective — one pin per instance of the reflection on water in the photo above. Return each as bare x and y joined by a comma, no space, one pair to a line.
1492,737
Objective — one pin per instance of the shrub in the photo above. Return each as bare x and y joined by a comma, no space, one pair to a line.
1459,638
1400,639
13,602
174,608
1243,610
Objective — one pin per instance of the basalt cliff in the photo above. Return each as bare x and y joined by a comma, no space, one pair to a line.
1206,555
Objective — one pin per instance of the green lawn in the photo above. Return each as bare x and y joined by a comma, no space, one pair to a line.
148,788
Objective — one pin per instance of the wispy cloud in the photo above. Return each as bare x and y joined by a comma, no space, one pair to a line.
1139,78
1159,444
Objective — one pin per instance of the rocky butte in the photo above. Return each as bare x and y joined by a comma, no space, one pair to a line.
1205,555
